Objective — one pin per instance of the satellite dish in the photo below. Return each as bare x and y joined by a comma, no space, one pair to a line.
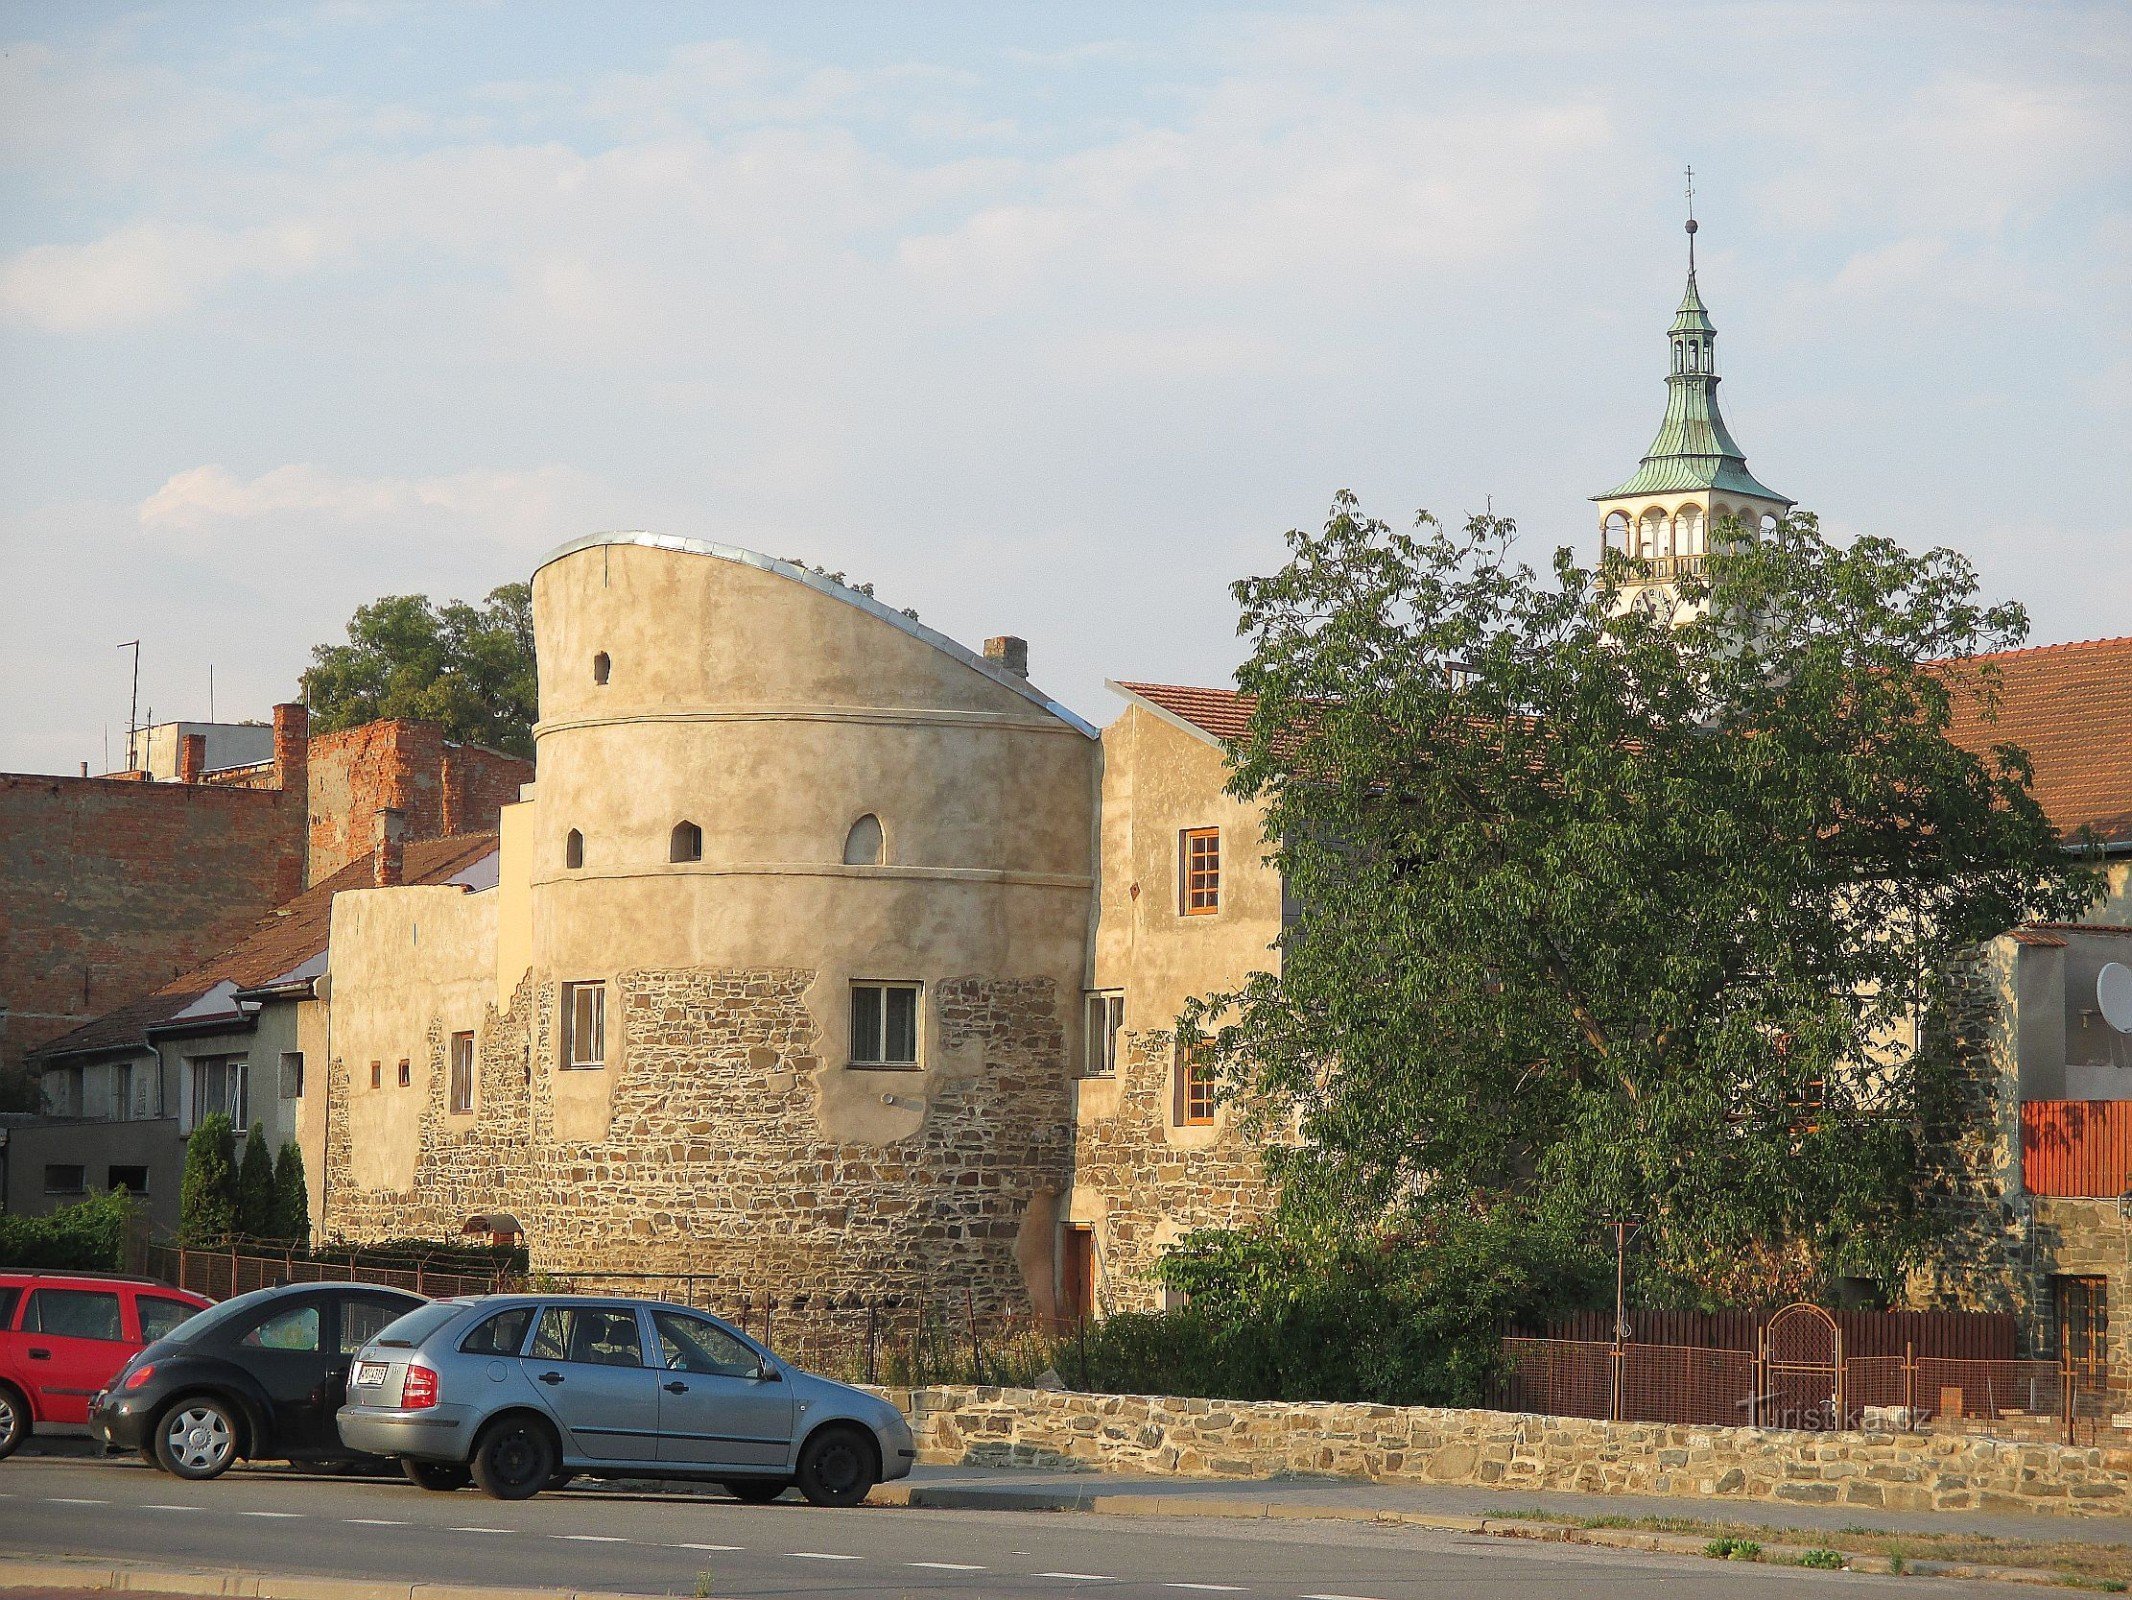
2113,992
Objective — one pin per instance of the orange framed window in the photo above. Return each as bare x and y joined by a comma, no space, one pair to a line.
1199,859
1195,1089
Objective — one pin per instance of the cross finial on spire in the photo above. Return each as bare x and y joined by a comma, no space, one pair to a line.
1691,221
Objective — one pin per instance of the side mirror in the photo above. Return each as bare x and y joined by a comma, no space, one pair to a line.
768,1374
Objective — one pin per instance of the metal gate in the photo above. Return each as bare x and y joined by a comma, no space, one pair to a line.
1802,1367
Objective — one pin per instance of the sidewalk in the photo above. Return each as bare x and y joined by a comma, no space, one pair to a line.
1466,1509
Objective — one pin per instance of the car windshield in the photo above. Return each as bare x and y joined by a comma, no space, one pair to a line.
419,1323
219,1316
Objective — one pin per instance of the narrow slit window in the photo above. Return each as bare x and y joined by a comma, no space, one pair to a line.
884,1024
862,846
407,1072
686,843
584,1025
1201,871
601,668
462,1072
574,850
1106,1016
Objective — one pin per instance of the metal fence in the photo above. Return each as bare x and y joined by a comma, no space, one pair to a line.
222,1273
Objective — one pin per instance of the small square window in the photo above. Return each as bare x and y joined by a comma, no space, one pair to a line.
1200,871
884,1024
67,1178
406,1074
292,1074
584,1025
1195,1088
134,1180
462,1072
1099,1046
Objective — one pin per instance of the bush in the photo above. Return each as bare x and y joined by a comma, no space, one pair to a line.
207,1198
1281,1317
88,1236
256,1210
292,1198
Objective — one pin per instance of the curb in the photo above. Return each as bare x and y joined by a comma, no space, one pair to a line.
46,1572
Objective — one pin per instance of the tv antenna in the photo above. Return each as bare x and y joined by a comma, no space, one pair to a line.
133,709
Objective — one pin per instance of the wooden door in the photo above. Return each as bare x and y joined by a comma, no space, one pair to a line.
1077,1273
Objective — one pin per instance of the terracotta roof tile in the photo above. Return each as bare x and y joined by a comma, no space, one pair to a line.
1221,714
283,940
2070,707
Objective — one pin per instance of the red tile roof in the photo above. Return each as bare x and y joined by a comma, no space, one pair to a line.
283,940
2068,705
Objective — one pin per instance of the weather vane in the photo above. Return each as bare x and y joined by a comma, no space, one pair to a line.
1691,219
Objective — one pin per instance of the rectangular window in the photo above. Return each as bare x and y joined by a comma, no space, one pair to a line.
218,1084
584,1025
1195,1088
884,1024
1200,871
134,1180
462,1072
406,1073
74,1314
1099,1046
65,1178
292,1074
377,1074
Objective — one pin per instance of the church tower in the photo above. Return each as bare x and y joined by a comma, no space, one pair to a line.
1693,476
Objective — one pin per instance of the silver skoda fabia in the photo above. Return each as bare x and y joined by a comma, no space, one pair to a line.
521,1392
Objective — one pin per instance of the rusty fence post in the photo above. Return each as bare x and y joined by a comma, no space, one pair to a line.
872,1363
1910,1385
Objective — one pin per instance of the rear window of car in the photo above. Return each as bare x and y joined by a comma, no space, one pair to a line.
408,1331
74,1314
500,1335
161,1316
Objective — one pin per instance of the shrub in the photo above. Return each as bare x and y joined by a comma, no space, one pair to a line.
207,1201
256,1210
292,1199
1826,1560
88,1236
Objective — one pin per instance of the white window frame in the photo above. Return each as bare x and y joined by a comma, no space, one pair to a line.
1103,1024
196,1068
879,989
573,1058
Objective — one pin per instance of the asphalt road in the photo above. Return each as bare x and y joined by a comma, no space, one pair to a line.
275,1521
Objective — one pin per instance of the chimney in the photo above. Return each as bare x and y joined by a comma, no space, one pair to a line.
292,751
451,778
192,757
1009,652
388,849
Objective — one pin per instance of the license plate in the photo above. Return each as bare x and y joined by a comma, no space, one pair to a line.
369,1374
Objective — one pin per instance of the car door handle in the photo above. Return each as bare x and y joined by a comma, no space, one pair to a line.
40,1355
677,1388
551,1377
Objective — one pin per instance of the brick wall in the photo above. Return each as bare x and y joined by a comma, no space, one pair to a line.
714,1160
108,889
440,788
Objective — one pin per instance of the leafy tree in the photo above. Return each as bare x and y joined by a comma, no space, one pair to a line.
467,668
292,1200
255,1197
207,1195
1649,896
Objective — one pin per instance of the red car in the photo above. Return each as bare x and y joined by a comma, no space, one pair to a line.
64,1336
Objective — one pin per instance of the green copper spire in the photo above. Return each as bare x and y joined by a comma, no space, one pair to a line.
1693,450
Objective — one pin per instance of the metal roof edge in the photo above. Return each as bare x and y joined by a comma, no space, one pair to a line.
1163,713
881,612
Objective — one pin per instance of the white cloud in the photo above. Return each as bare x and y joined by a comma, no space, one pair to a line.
145,271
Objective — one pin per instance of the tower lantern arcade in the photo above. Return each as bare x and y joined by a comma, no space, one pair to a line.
1694,477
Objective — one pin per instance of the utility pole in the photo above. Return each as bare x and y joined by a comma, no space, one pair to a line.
133,709
1623,1227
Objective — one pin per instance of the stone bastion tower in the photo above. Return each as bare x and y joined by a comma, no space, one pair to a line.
777,976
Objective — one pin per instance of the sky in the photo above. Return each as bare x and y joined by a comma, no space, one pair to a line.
1044,319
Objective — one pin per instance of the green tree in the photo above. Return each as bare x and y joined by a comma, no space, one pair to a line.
257,1213
207,1195
1648,895
292,1200
467,668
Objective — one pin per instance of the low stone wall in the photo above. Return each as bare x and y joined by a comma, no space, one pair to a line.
1506,1450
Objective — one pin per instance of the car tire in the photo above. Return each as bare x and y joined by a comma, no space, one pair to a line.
198,1438
837,1466
561,1480
757,1491
440,1476
14,1420
514,1458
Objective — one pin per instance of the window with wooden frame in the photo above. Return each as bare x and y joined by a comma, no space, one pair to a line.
406,1072
462,1072
584,1026
1194,1100
1099,1045
884,1024
1199,871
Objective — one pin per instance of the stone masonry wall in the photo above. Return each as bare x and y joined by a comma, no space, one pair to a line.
1505,1450
715,1162
1153,1188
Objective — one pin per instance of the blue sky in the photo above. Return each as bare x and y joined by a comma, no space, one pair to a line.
1043,319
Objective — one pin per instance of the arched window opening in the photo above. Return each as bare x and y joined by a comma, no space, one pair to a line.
1620,533
686,843
601,667
862,846
1695,357
574,850
1654,535
1677,357
1691,531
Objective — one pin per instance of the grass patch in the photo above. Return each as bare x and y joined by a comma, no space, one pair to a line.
2099,1566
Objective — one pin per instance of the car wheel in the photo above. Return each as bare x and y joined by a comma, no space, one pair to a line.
442,1476
196,1439
14,1421
515,1459
757,1491
837,1467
